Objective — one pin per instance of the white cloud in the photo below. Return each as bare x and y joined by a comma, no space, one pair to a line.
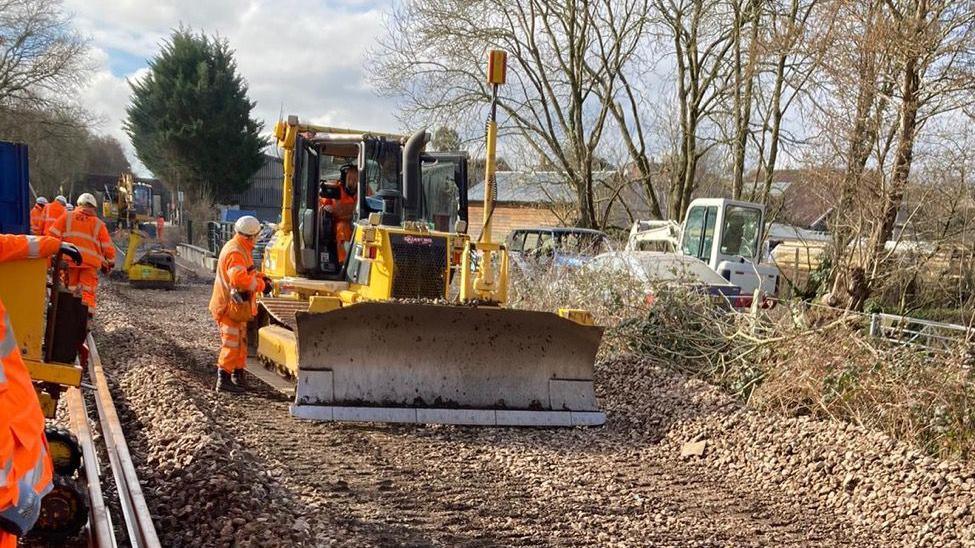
298,57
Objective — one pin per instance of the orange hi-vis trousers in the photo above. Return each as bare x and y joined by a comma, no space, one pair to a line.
233,345
84,280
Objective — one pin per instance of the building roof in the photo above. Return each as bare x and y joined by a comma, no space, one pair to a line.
533,187
526,187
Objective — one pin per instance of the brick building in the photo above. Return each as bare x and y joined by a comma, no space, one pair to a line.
523,200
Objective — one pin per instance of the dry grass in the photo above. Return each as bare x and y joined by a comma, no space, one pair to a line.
793,361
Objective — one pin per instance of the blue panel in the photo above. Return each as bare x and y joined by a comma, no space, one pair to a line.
15,200
231,215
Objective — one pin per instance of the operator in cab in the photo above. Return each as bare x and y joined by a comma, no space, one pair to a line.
341,205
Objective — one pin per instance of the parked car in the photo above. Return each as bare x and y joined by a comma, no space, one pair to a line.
555,246
660,268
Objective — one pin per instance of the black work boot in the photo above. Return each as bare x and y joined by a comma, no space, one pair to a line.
238,377
225,384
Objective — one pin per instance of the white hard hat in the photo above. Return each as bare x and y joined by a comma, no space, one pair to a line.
69,207
247,225
61,199
42,200
87,199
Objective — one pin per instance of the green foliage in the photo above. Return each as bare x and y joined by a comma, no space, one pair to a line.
445,139
190,118
820,279
873,306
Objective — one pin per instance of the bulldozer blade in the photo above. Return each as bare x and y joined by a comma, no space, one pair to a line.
153,284
422,363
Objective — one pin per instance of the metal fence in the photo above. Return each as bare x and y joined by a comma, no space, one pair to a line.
935,336
219,233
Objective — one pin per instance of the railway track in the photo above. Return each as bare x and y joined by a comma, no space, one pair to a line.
137,529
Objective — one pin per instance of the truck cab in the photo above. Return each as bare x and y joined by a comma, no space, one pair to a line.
727,236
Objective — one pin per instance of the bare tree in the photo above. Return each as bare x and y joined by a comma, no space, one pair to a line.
42,58
858,68
794,44
106,156
745,32
935,46
42,61
565,64
701,44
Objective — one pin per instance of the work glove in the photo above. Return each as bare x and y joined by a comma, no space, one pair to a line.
71,251
239,296
107,267
268,285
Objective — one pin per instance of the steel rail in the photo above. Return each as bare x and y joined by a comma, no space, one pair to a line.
100,529
138,519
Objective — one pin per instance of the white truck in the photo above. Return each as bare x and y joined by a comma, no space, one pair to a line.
724,234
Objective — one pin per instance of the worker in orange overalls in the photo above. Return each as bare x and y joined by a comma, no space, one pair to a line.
84,229
343,208
54,211
37,216
25,467
160,223
234,301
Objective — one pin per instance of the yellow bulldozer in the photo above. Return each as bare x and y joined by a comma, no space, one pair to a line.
412,326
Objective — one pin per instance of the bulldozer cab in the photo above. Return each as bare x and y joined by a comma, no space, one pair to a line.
437,202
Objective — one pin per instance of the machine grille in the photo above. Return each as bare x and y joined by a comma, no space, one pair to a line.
420,266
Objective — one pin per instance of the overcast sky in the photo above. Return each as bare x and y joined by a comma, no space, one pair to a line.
301,57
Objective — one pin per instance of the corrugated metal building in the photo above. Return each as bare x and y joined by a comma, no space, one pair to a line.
264,195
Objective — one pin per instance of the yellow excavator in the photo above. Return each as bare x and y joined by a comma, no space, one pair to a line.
132,203
412,326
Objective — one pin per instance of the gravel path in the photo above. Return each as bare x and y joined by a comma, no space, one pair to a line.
225,470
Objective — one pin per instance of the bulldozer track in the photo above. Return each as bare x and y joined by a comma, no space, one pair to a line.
139,530
282,311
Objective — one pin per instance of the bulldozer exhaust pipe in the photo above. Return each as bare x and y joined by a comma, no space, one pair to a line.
411,173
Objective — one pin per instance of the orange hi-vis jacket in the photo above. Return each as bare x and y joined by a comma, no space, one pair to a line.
234,271
85,230
25,467
37,219
345,204
52,212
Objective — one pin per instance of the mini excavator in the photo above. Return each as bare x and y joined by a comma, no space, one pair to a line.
411,326
154,269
